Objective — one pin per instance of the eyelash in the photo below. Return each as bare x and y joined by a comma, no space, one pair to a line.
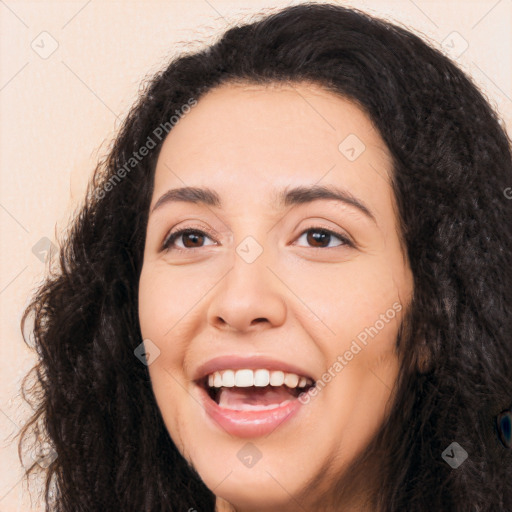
172,237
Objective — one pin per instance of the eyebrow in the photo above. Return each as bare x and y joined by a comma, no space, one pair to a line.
287,197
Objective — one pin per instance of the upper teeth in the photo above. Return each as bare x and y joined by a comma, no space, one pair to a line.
260,378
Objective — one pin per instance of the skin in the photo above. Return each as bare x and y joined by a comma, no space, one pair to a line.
312,300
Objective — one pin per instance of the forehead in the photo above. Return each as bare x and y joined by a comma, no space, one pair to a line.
259,139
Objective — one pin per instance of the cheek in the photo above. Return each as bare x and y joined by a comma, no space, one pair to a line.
170,316
148,300
171,400
348,297
170,394
360,311
168,308
156,323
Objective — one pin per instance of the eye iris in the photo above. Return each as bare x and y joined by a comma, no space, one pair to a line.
186,237
317,236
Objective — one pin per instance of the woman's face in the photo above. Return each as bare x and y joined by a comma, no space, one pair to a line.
281,283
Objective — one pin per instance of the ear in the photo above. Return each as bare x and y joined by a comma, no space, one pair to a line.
221,505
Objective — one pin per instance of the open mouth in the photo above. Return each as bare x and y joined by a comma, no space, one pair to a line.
254,390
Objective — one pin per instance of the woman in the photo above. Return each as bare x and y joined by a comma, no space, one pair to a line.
289,286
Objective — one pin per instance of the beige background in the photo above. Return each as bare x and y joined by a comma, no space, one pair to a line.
60,109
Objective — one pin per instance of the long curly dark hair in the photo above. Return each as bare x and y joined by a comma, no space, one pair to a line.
451,165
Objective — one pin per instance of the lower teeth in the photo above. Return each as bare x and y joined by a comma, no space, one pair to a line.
255,407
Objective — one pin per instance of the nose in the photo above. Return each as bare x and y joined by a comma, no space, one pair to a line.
248,297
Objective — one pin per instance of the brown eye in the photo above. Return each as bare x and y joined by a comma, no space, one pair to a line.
191,239
320,238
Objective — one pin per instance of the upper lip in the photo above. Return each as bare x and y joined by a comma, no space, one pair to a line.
240,362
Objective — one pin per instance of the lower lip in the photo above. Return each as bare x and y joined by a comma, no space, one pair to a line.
249,423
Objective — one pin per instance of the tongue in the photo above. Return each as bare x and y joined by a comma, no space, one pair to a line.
235,398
